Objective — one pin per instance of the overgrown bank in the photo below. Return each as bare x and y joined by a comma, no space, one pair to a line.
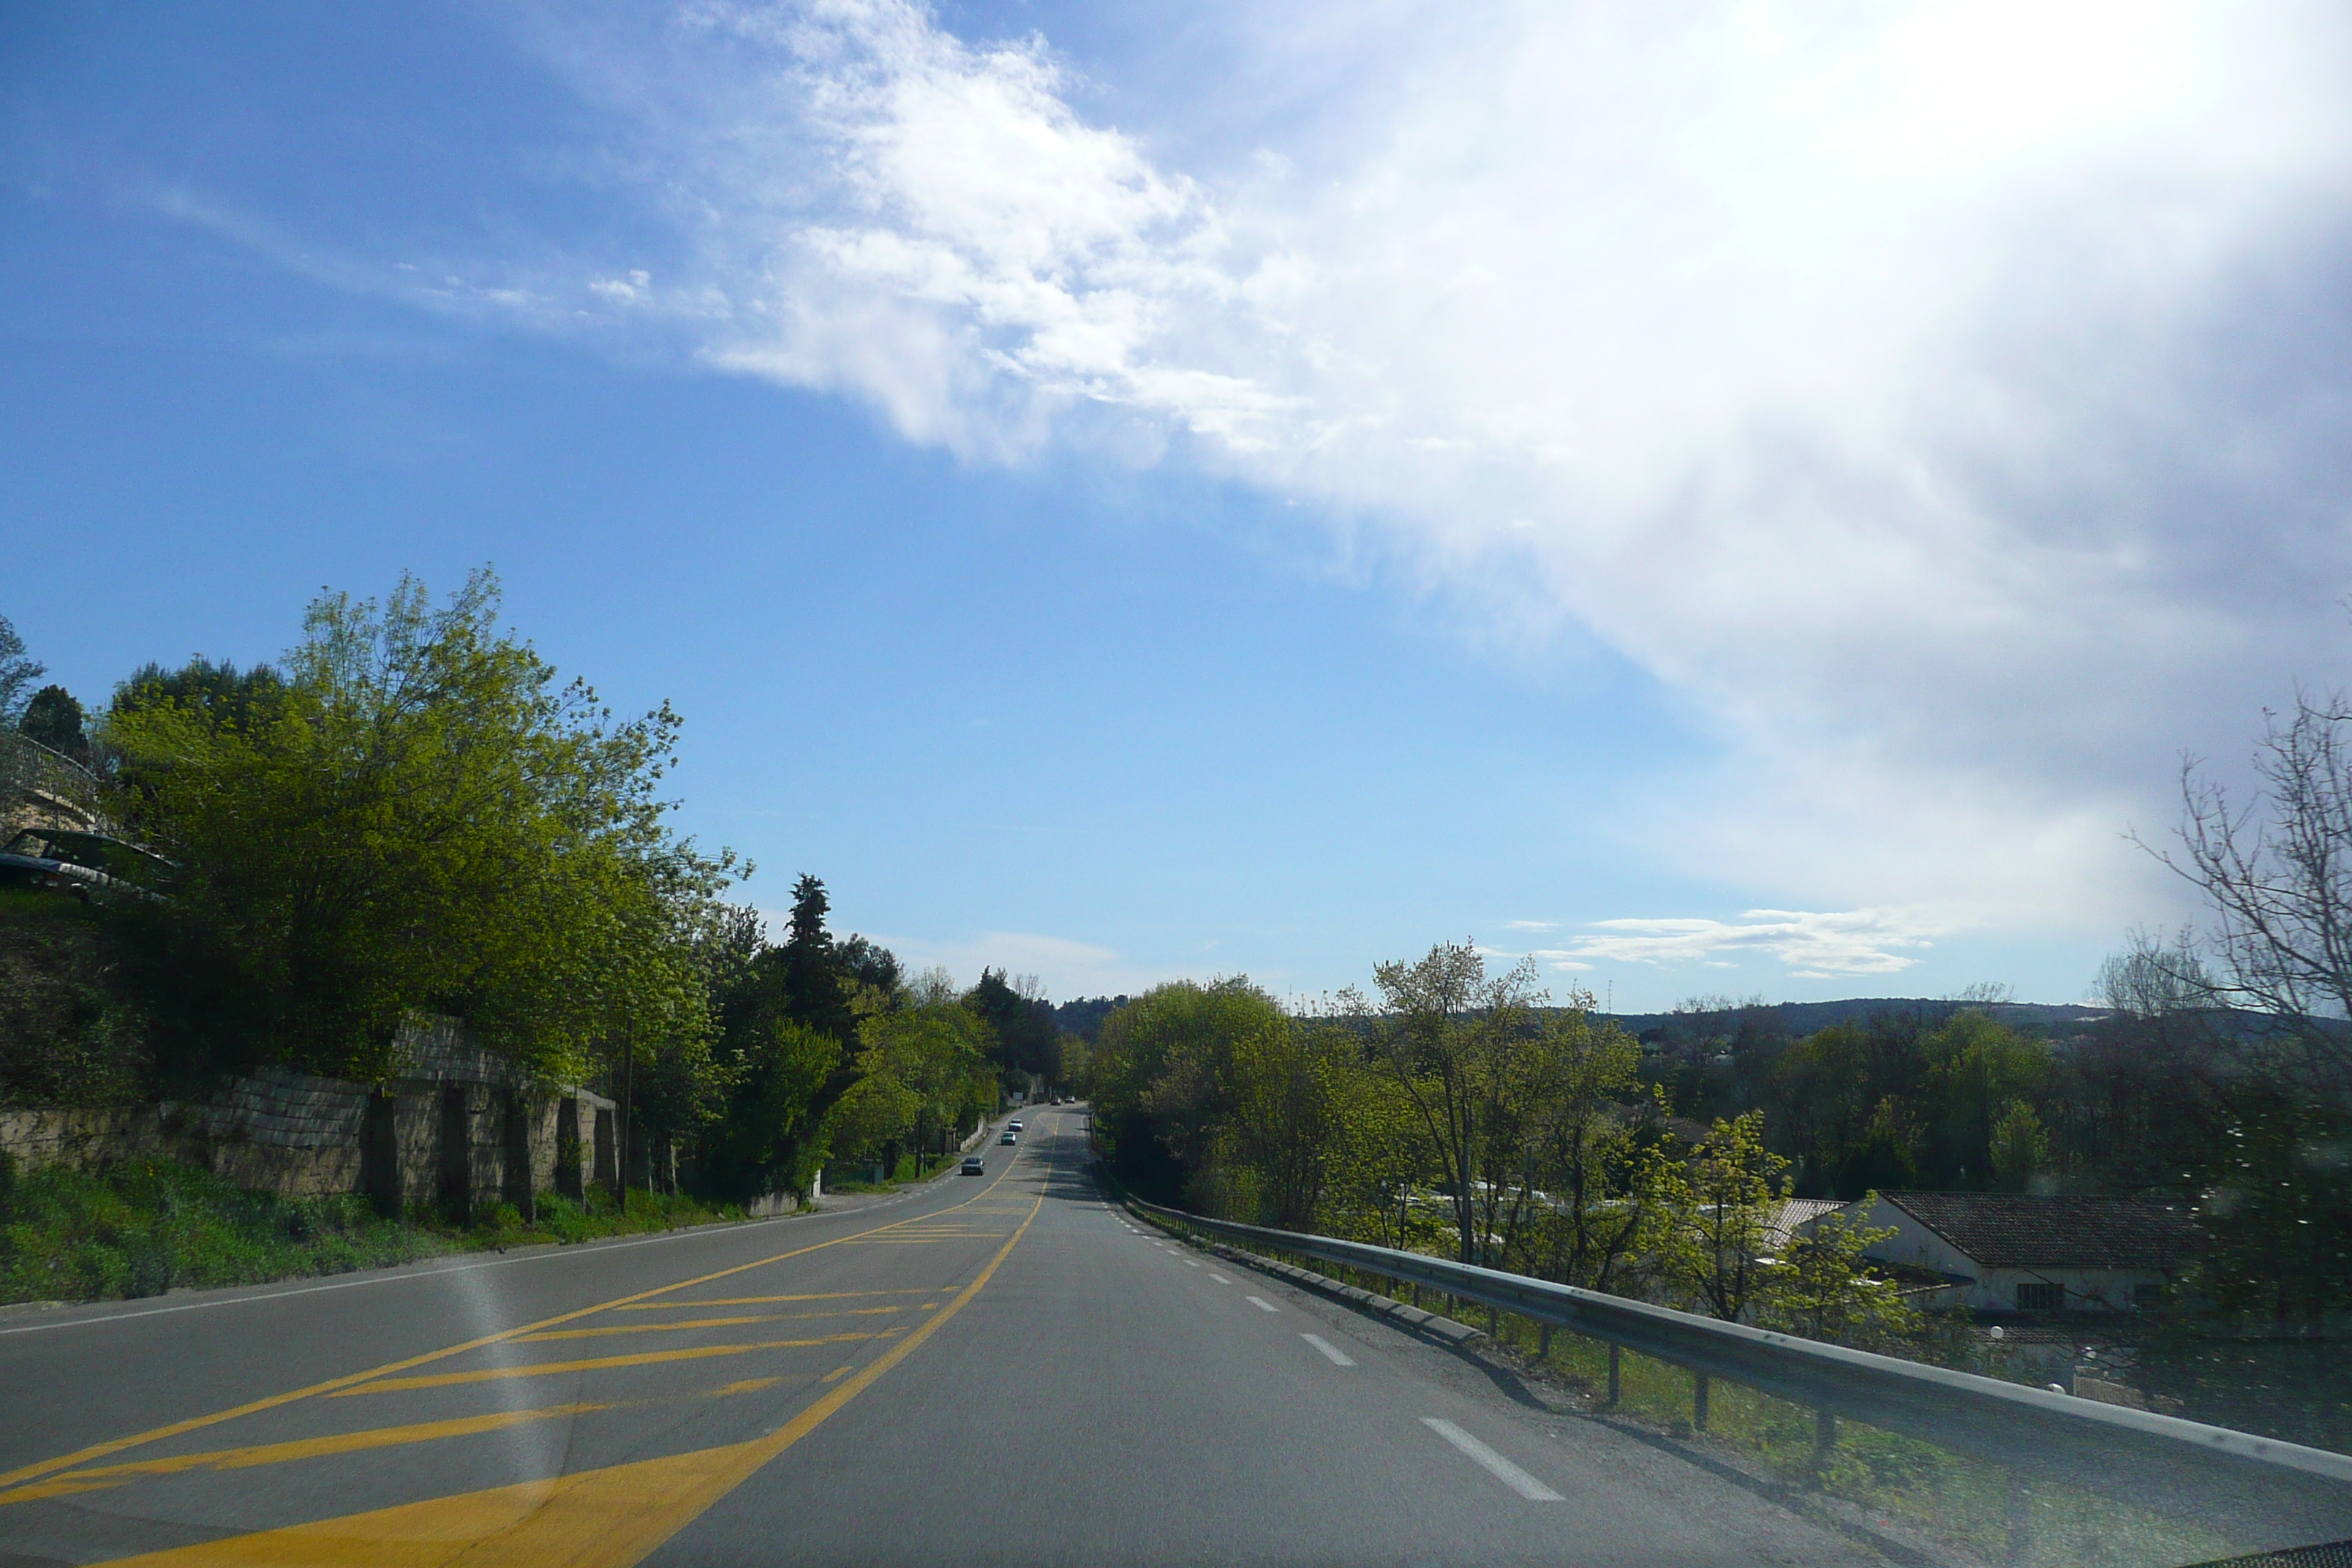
142,1227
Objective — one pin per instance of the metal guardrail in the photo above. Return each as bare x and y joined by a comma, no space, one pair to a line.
2259,1485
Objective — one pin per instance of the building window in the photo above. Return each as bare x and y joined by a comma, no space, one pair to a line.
2041,1298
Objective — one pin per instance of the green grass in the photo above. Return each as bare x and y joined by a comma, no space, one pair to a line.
145,1226
901,1175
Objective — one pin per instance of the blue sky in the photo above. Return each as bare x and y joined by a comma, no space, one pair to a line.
1748,499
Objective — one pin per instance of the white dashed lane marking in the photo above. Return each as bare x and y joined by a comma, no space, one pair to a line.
1218,1277
1262,1305
1331,1353
1501,1469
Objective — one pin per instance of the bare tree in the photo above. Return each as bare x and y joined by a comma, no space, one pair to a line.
2277,870
18,671
2153,978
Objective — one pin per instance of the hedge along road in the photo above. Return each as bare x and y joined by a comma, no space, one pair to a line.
999,1370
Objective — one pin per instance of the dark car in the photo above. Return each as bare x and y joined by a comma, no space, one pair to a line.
973,1165
85,866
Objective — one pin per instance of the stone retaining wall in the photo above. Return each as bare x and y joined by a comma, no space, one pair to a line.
455,1129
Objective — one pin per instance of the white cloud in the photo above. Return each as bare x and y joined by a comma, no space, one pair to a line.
1943,402
1813,945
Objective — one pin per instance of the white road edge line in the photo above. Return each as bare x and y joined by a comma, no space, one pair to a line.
1501,1469
1262,1305
1331,1353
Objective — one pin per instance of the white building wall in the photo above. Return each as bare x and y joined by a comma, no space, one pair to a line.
1995,1289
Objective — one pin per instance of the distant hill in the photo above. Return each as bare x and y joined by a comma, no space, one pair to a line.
1794,1019
1798,1019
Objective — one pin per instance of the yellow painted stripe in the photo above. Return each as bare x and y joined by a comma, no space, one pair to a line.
761,1300
598,1364
612,1517
282,1453
272,1402
701,1323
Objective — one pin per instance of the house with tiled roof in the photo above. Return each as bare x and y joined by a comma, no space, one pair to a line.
2025,1252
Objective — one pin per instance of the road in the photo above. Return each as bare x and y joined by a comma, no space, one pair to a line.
997,1369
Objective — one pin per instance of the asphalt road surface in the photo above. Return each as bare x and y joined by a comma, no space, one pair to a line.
996,1369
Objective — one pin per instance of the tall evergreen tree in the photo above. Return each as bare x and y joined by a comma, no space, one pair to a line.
814,993
55,719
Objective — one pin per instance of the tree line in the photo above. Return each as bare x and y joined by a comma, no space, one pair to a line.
412,815
1462,1110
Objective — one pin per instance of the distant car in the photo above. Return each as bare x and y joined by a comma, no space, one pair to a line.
974,1166
85,866
1015,1124
1010,1137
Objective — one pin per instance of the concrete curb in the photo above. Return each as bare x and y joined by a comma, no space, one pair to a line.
1446,1328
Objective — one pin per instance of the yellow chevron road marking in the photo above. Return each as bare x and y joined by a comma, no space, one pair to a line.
611,1518
701,1323
272,1402
281,1453
760,1300
598,1364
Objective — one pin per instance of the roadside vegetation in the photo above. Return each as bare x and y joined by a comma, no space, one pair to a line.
1458,1109
412,816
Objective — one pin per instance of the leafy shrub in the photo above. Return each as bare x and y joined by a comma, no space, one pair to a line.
143,1226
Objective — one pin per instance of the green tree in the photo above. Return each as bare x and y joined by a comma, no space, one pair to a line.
922,1072
421,820
1024,1024
812,968
53,718
1823,1286
1978,1068
1712,1216
1284,1128
1457,1041
2019,1148
1163,1078
1584,1149
219,694
2278,1213
775,1086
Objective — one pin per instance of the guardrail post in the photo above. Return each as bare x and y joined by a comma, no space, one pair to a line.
1824,1442
1543,1343
1614,1354
1700,1386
